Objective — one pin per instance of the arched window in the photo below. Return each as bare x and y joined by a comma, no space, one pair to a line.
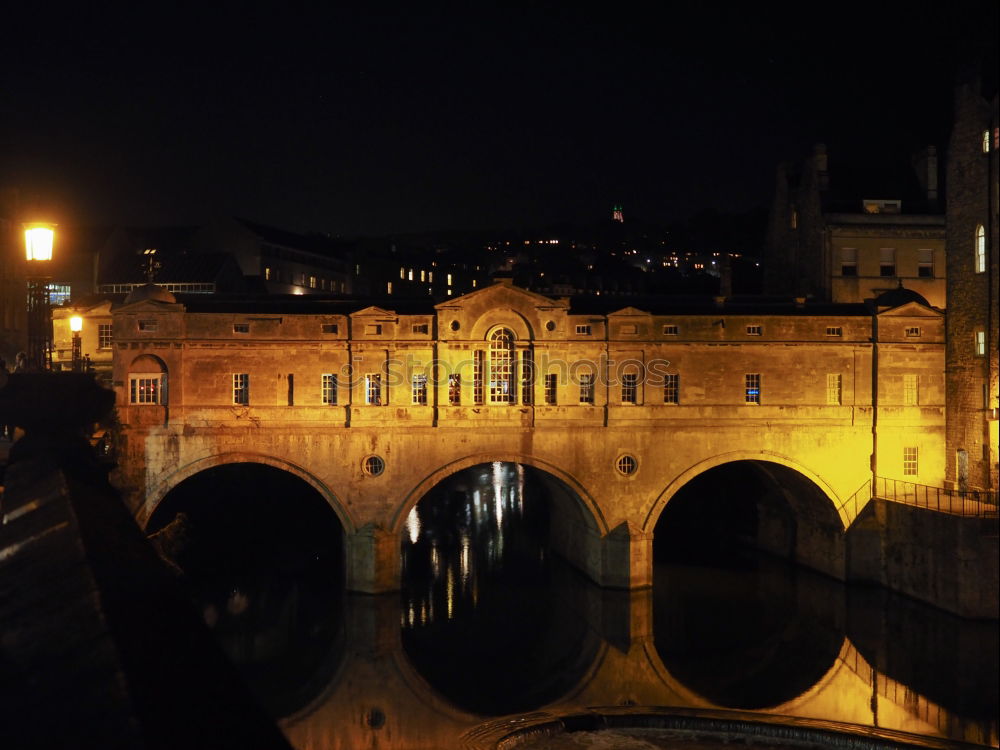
980,249
502,367
147,381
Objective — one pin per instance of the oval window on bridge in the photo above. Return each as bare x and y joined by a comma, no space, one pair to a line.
627,465
374,465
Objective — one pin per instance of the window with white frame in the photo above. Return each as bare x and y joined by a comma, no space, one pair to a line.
671,329
834,331
418,388
551,383
103,335
586,388
454,389
241,388
478,377
329,388
887,261
980,262
502,367
145,387
751,388
980,343
672,388
373,389
755,330
834,388
911,465
925,263
911,395
583,330
630,388
848,261
912,332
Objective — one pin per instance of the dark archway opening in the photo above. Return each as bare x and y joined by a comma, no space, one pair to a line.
486,620
262,555
735,619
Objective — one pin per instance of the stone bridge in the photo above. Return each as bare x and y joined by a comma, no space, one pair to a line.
619,410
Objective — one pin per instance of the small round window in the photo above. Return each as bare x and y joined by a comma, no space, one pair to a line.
374,465
627,465
455,325
550,326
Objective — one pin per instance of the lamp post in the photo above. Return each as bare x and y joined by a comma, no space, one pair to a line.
38,241
76,325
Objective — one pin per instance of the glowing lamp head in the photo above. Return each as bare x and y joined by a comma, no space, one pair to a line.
38,241
76,324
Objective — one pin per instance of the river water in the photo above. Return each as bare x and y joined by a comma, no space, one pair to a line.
490,625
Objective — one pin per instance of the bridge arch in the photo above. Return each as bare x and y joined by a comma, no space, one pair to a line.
159,491
725,458
428,482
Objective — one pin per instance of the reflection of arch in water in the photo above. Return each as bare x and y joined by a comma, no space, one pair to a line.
796,517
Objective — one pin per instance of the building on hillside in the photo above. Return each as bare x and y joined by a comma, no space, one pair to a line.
973,320
850,234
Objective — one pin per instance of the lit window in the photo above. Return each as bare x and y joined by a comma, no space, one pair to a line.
144,388
329,388
986,141
402,273
419,390
670,330
455,389
583,330
312,282
423,275
241,328
834,391
910,461
671,388
373,389
980,249
449,279
388,287
925,263
147,325
912,332
910,395
551,381
528,377
409,275
103,335
241,388
267,273
887,261
755,330
502,362
848,261
478,368
980,343
587,388
834,331
751,387
630,388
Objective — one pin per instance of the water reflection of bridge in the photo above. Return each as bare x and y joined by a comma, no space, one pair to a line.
378,699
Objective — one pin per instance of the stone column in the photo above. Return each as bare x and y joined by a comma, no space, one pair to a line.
627,559
373,560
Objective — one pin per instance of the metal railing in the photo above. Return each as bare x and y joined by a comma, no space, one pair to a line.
974,503
853,505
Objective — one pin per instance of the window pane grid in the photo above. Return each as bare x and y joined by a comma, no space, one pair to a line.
373,389
910,461
329,388
145,390
630,383
671,388
752,388
241,388
502,367
419,390
587,388
478,391
834,389
551,381
103,335
455,389
910,394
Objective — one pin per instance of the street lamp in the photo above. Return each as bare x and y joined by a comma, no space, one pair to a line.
38,241
76,325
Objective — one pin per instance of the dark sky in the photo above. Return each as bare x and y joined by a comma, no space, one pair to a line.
385,120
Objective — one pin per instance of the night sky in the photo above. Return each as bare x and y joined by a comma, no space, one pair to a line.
383,120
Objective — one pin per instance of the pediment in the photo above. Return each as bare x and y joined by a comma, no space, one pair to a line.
148,305
628,312
373,311
911,310
503,295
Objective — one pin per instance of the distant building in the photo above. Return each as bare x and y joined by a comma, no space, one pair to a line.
851,234
973,320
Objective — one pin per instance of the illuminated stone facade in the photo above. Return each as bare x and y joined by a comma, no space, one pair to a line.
373,407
